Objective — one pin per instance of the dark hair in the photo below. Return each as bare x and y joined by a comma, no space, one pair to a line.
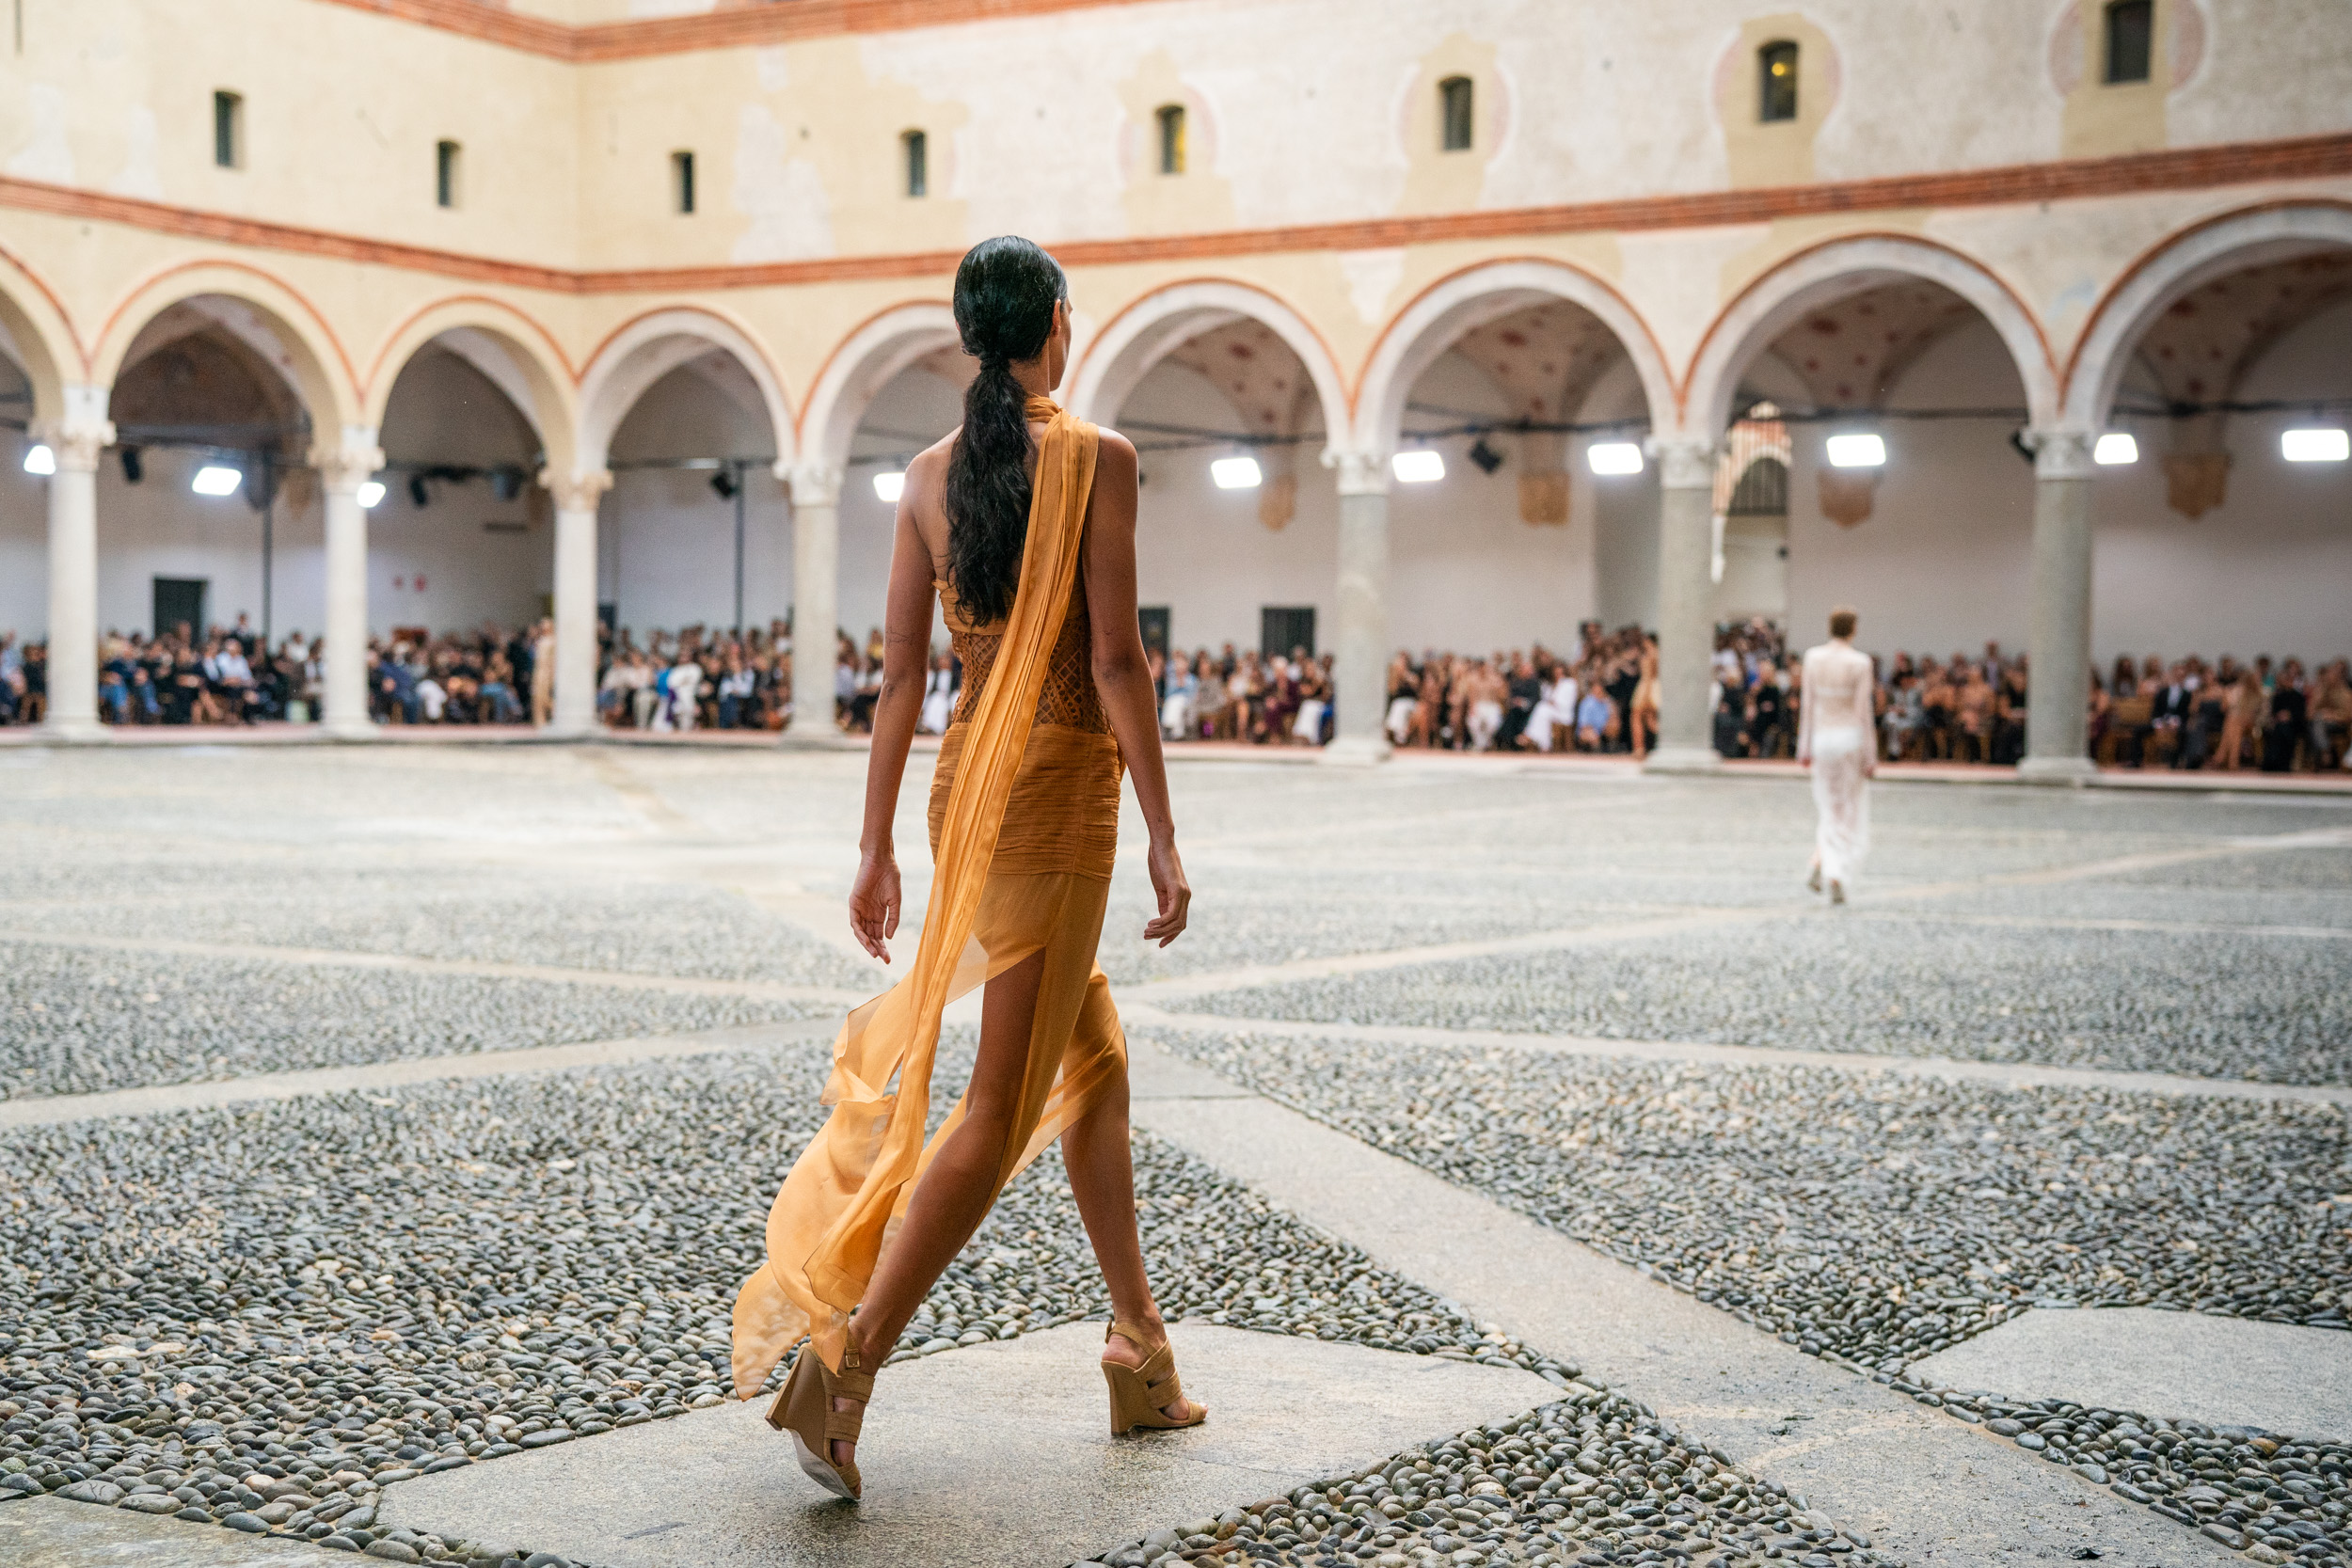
1006,292
1842,622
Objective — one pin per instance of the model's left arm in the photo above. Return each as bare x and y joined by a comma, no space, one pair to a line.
1123,676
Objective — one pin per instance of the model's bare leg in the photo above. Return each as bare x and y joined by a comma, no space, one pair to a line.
961,1182
1102,1167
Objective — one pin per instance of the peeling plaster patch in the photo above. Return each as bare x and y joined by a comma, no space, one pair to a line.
47,155
139,177
774,66
783,195
1372,278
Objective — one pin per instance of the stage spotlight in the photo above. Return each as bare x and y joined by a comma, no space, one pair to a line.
723,482
216,479
2314,445
133,466
416,491
1610,458
1237,473
2115,449
506,484
1856,451
40,459
890,486
1420,466
1487,459
370,495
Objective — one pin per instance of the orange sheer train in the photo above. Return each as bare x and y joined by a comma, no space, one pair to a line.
1024,824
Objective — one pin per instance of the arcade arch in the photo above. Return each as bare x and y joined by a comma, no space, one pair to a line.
1511,370
47,399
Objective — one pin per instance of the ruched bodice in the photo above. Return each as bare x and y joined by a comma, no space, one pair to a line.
1068,699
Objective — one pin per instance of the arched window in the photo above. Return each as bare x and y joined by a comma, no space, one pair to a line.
2131,38
1776,74
916,148
1171,119
1456,101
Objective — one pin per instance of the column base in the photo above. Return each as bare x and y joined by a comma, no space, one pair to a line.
2064,771
1683,759
1354,751
72,732
347,729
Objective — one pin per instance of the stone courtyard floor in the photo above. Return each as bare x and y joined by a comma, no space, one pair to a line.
1534,1171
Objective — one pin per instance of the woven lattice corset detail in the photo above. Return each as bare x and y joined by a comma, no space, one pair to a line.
1067,698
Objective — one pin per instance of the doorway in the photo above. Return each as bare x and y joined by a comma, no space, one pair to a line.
179,599
1152,621
1282,627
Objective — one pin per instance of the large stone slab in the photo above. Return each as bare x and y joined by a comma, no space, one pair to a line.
999,1454
50,1532
2224,1371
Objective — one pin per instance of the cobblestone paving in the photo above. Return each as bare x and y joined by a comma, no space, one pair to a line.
263,1316
74,1021
2208,1003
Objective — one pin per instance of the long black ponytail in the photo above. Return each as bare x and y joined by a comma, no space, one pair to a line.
1006,292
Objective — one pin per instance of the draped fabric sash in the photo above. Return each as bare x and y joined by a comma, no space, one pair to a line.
827,1228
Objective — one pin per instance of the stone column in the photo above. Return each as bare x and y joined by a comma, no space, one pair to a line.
815,603
2058,691
575,498
1686,605
78,440
341,471
1359,641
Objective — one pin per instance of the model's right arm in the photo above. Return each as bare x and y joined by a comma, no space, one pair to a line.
875,898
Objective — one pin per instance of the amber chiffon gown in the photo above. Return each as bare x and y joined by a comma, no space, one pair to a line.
1023,826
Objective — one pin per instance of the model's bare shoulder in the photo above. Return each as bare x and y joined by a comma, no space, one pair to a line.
1116,450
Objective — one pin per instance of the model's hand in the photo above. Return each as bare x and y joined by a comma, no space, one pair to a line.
1175,894
1803,761
874,901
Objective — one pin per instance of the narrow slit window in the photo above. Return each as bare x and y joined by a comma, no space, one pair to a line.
916,148
681,182
1171,119
447,156
228,130
1457,101
1776,69
2131,39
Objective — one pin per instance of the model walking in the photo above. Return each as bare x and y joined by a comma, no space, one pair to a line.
1834,727
1022,523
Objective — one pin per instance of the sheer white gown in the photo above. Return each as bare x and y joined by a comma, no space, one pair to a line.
1834,732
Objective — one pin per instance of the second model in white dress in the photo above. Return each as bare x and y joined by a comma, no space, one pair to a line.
1834,732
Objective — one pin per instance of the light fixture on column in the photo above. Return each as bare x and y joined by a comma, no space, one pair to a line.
370,495
1609,458
2115,448
1487,459
1418,465
1237,473
1864,450
2321,445
133,466
888,488
40,459
417,492
216,479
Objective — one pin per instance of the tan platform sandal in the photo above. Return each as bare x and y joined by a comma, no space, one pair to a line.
1141,1395
803,1407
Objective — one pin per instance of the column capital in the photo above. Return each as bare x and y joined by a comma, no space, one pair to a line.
350,462
78,440
2061,453
577,492
1362,473
813,483
1684,462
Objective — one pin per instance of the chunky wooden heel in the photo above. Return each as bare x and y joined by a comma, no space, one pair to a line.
803,1407
1141,1395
